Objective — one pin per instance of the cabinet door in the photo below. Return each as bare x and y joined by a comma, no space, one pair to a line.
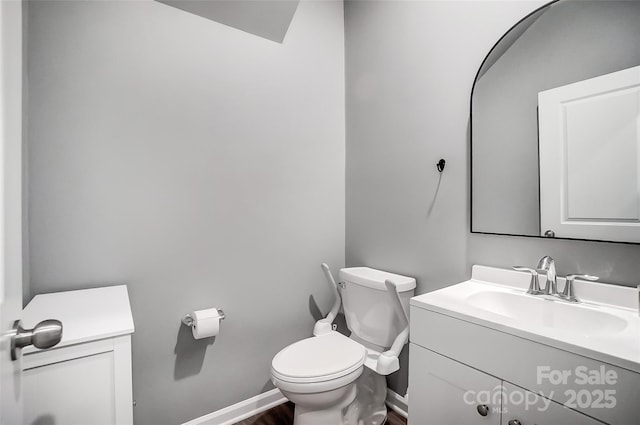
522,407
74,392
443,391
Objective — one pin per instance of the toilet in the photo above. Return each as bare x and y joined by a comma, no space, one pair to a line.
333,379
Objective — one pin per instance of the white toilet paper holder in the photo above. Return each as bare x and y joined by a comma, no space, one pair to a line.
188,320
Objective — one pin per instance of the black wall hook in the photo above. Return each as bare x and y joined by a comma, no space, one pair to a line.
440,165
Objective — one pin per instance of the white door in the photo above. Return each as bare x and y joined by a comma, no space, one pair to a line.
589,135
10,204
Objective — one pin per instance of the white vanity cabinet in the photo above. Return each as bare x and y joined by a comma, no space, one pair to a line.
448,356
529,359
86,378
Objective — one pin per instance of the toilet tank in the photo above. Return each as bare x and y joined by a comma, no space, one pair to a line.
368,307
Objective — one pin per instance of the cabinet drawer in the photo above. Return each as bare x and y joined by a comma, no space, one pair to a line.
55,355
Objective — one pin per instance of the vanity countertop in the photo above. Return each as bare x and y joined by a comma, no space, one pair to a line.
604,326
86,314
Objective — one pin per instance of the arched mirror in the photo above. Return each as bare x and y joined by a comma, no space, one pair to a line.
555,125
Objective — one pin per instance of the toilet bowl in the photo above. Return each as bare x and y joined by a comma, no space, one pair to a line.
318,375
337,380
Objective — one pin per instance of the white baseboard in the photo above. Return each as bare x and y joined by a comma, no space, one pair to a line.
265,401
397,403
242,410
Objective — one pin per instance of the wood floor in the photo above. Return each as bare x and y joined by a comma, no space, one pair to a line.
283,415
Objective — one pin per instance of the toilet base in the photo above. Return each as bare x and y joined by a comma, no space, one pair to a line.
309,414
369,406
358,403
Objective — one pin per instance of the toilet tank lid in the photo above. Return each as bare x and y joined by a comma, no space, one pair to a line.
375,279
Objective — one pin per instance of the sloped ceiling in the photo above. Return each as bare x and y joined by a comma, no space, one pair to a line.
269,19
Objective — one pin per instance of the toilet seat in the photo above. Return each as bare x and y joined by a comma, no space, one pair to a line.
327,361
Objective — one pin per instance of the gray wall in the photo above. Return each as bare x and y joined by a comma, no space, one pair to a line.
559,48
613,262
200,165
409,69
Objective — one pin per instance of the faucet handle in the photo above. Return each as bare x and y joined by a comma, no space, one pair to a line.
525,269
572,277
534,283
569,293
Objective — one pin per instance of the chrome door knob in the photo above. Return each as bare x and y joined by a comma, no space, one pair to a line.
46,334
514,422
483,409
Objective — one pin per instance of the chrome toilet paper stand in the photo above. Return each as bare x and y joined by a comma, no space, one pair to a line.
188,320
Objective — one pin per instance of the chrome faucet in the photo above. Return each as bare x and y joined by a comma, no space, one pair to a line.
548,266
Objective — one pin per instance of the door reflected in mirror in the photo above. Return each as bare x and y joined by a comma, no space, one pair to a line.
589,133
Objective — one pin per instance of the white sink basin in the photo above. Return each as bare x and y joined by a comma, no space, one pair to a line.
561,316
604,325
